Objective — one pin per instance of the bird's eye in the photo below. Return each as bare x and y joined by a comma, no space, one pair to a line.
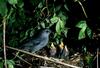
47,30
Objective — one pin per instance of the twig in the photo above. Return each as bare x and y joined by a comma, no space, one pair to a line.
47,7
22,59
42,57
82,8
97,58
4,40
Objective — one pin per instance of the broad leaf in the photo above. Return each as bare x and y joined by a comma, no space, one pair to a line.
59,26
81,24
10,63
89,32
12,2
40,5
54,19
62,16
81,34
3,7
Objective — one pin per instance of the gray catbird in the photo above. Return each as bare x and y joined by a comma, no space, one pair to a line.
37,42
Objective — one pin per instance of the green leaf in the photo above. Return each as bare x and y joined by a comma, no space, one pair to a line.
3,7
89,32
54,19
1,64
20,3
59,26
12,2
65,31
89,59
81,34
10,63
62,16
43,24
81,24
40,5
57,8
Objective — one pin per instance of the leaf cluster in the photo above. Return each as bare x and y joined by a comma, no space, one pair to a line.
25,17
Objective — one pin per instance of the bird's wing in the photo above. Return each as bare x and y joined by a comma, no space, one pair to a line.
36,42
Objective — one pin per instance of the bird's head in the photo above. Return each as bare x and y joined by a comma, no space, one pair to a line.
46,32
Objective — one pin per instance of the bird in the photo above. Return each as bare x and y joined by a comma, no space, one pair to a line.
37,42
63,52
52,50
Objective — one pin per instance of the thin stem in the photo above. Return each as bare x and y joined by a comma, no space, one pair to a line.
22,59
97,58
47,7
83,9
4,40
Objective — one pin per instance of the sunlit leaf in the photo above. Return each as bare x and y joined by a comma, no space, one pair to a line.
40,5
58,29
54,19
12,2
59,26
10,63
81,34
43,24
47,20
81,24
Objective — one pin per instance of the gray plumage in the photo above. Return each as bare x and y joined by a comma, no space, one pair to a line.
38,42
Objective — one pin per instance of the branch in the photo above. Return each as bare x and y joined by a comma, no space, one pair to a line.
42,57
4,40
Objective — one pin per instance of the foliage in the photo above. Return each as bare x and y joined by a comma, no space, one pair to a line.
84,28
18,18
24,18
10,63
